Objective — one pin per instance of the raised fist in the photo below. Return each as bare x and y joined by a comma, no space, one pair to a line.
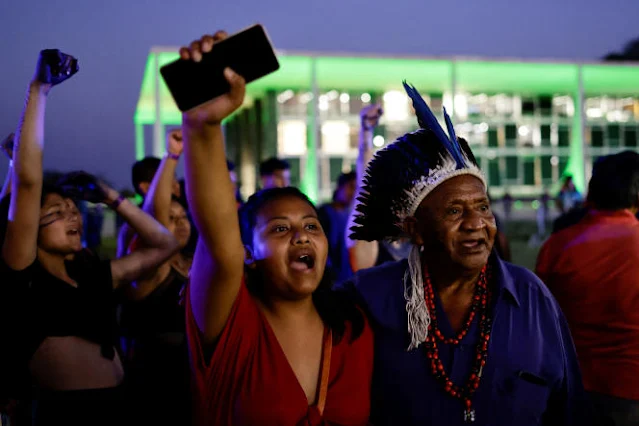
83,186
174,143
213,112
370,116
7,145
54,67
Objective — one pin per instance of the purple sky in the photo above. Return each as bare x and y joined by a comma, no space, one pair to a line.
90,118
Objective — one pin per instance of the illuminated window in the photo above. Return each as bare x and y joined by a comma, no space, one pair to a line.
461,106
335,137
476,105
563,106
323,103
291,104
618,110
475,134
503,105
333,104
291,138
396,107
526,135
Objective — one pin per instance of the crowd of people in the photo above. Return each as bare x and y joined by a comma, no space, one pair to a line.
393,304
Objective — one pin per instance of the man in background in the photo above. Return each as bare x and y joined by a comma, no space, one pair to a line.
142,174
592,268
334,218
275,173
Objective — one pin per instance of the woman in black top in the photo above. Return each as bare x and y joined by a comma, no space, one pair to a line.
56,299
153,326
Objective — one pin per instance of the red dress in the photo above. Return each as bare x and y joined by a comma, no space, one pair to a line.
248,380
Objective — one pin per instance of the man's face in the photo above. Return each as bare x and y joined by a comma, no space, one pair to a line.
456,225
346,193
278,179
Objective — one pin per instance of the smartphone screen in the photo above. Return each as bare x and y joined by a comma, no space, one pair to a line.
249,53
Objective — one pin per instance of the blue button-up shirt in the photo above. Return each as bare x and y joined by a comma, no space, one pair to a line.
531,375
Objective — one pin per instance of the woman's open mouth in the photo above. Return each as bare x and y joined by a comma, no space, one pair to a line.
303,262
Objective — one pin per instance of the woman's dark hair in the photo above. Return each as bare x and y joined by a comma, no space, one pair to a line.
181,201
47,189
615,182
144,171
189,248
271,165
334,308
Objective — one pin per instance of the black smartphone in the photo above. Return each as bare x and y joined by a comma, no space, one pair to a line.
249,53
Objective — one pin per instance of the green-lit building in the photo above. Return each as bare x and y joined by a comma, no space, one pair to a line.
528,122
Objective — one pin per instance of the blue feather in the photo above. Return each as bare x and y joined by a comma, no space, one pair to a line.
457,152
428,120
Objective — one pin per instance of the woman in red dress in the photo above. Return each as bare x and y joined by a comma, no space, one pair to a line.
270,343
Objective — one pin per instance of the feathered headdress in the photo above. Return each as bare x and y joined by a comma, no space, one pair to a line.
396,182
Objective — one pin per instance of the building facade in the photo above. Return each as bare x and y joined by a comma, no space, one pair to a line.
529,123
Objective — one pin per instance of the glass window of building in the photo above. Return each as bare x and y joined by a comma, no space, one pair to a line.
291,137
291,104
396,106
563,106
336,137
630,136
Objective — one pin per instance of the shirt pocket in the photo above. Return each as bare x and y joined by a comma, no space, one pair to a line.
521,397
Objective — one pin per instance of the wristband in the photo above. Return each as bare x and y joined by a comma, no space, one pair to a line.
173,156
115,204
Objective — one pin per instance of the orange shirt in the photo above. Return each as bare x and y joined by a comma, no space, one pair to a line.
592,268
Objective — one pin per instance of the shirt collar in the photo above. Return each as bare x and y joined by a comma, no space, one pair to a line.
616,215
504,281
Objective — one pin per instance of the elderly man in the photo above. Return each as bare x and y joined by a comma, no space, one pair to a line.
461,337
592,268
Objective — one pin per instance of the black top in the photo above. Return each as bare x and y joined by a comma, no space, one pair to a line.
160,312
35,304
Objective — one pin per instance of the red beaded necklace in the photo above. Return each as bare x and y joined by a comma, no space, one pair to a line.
480,307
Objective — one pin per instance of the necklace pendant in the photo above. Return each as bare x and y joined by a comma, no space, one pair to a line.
469,416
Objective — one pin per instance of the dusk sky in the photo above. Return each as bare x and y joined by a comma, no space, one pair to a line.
90,118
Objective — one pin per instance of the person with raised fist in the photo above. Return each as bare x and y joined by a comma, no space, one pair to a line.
270,343
152,318
59,298
461,337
